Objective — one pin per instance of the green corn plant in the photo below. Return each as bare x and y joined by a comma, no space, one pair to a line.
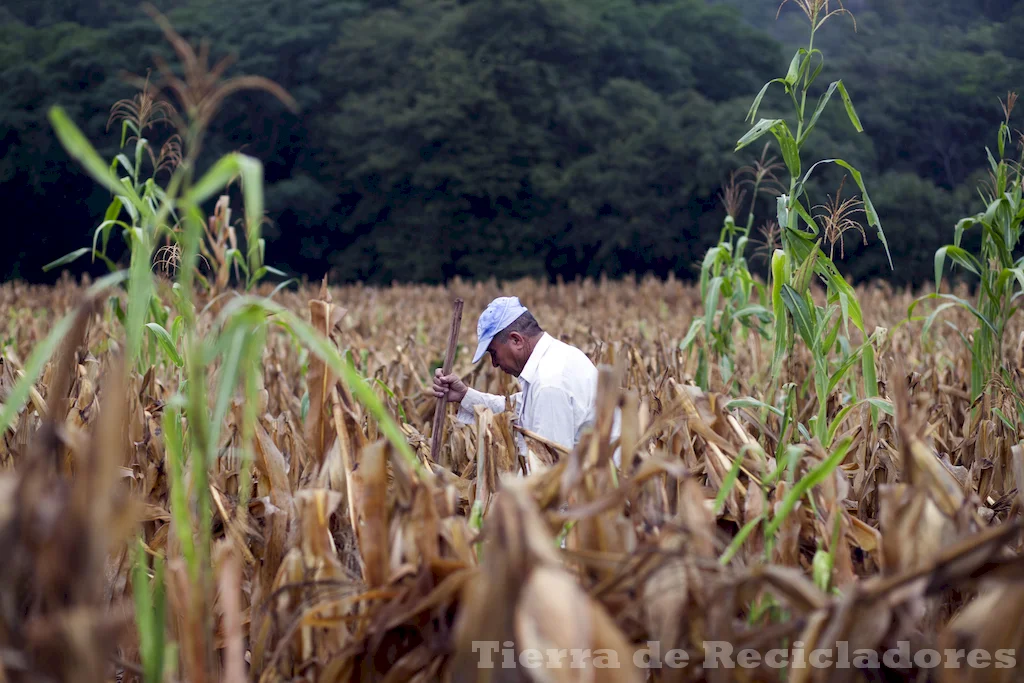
150,614
230,350
801,256
137,196
149,215
1000,276
729,292
771,520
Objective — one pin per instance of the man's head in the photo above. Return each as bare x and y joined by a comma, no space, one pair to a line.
508,332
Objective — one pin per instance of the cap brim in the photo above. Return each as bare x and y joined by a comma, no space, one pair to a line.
481,349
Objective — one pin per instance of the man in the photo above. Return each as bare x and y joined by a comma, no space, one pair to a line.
558,382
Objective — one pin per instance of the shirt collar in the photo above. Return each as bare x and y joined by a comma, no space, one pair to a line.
529,373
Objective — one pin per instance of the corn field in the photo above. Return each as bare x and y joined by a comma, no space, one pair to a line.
335,558
209,478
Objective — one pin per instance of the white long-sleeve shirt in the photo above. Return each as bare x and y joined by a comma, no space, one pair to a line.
557,398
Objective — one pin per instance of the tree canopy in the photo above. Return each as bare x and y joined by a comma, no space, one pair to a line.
508,138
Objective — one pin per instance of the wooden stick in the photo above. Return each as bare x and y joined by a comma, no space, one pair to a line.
439,408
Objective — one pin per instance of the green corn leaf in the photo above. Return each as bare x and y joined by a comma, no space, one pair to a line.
1018,274
67,258
175,454
885,406
103,230
782,211
830,338
822,102
811,223
711,258
821,569
109,220
823,319
140,289
854,119
391,394
760,128
780,342
230,373
728,484
811,479
166,343
790,149
817,71
958,255
739,539
125,163
711,303
737,403
837,421
214,180
796,67
695,328
281,286
930,320
803,316
843,290
1005,420
143,608
754,309
752,112
961,226
154,665
177,329
844,367
80,149
870,374
802,276
251,170
140,146
960,302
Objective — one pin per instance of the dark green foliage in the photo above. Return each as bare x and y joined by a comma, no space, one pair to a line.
506,138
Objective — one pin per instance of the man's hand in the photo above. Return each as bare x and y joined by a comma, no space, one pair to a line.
449,387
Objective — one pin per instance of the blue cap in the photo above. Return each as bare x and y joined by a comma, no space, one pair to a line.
498,315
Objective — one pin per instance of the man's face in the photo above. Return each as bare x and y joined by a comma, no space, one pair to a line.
509,355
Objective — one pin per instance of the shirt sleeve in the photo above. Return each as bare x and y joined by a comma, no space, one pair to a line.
475,398
616,433
553,415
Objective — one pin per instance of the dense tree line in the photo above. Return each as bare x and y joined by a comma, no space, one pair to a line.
508,138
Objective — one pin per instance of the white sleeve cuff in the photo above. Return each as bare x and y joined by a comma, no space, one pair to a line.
475,398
